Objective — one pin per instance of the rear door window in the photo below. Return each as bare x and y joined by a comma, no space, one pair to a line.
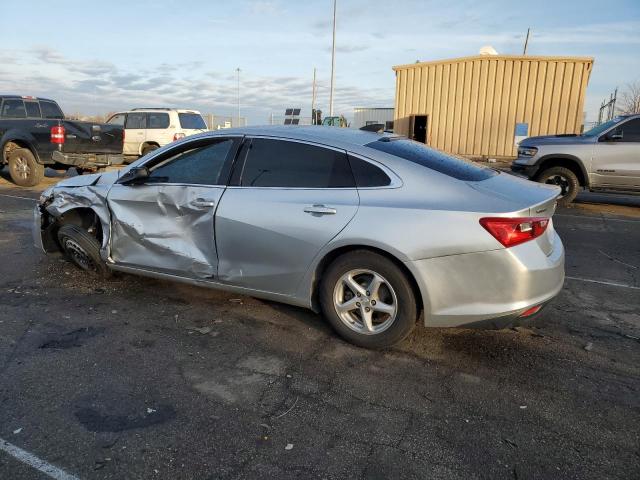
136,121
157,120
50,110
433,159
13,108
33,109
287,164
191,121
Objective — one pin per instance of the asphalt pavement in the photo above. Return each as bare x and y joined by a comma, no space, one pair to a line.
134,378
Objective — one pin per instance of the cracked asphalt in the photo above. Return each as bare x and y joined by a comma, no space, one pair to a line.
134,378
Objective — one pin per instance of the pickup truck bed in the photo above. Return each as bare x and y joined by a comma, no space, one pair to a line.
34,134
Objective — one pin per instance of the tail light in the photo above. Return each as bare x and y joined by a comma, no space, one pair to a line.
178,136
57,134
514,231
530,311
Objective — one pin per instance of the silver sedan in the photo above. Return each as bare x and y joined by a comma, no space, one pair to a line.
375,231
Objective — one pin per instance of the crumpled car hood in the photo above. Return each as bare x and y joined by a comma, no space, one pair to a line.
87,180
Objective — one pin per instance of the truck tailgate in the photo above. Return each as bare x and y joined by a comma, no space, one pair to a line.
88,137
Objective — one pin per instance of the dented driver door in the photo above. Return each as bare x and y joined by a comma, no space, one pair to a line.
166,223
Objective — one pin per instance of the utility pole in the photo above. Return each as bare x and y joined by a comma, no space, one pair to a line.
526,43
238,71
333,60
313,98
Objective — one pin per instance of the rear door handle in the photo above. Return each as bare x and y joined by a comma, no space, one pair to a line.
320,210
201,202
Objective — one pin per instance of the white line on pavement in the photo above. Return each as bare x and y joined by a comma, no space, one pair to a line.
35,462
601,282
16,196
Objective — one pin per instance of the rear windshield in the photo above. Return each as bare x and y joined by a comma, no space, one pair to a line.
191,121
435,160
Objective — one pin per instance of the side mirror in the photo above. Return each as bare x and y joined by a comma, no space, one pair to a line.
135,176
614,136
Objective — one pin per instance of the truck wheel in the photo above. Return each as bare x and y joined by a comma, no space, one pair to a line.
24,169
563,178
149,149
83,249
368,300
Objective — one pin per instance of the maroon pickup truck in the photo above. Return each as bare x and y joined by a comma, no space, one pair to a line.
34,135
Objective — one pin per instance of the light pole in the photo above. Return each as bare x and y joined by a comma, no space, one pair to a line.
238,72
333,60
313,99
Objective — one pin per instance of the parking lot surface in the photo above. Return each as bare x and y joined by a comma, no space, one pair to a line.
136,378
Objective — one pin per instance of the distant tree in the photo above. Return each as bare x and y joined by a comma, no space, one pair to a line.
630,98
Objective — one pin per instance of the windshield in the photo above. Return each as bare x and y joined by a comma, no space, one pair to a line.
598,129
191,121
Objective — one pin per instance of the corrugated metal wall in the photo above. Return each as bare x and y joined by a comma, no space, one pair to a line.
474,103
361,115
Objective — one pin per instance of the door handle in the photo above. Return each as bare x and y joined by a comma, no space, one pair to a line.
201,202
317,210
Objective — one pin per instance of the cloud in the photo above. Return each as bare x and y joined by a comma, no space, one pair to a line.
77,87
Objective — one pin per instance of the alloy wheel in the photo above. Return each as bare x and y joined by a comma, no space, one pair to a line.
21,168
562,182
365,301
79,255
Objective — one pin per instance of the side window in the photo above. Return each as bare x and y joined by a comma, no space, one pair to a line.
117,119
280,163
136,120
33,109
50,110
157,120
630,130
13,108
367,174
200,165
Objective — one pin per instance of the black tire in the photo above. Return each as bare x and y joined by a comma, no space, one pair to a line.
24,168
405,301
149,149
82,249
565,179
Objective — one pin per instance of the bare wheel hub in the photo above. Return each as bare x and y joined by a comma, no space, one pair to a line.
365,301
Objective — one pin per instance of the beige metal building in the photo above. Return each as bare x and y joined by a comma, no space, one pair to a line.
479,106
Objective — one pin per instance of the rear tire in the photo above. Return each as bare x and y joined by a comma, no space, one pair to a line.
24,169
82,249
149,149
563,178
348,291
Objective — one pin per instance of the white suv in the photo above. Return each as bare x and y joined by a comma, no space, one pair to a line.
147,129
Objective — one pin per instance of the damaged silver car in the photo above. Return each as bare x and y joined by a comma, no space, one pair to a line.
373,230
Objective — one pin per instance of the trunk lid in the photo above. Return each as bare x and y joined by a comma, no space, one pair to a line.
527,199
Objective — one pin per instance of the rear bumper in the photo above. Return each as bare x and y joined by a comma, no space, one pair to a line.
528,171
490,289
87,160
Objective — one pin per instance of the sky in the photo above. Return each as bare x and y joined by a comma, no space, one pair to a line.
104,56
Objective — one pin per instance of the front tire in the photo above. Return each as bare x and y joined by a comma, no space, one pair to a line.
24,169
368,299
83,249
563,178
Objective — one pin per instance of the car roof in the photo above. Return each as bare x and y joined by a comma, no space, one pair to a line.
26,97
311,133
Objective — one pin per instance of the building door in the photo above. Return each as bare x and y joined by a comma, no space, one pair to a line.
419,128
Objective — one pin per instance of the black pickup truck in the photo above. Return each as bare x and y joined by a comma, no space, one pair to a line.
34,134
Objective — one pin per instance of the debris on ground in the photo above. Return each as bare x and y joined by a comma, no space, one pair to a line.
202,330
150,410
588,347
289,446
17,431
